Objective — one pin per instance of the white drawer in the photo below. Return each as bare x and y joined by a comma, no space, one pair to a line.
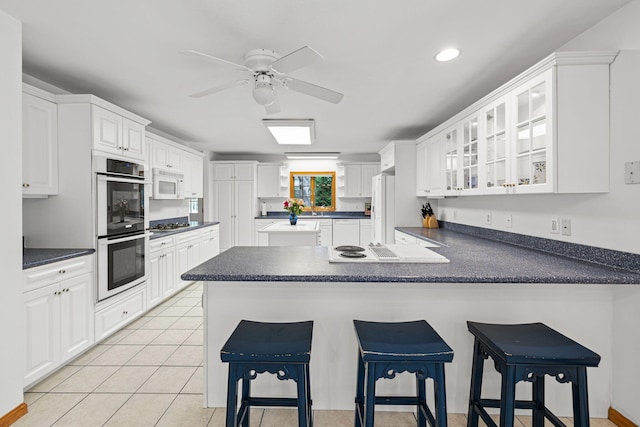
404,239
157,244
187,236
118,314
44,275
210,233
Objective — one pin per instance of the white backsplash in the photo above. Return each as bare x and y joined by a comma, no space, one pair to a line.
162,209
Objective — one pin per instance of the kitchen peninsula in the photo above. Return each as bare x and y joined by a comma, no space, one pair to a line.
485,281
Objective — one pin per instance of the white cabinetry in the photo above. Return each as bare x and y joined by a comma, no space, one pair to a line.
366,235
115,312
430,167
58,312
272,181
387,159
404,239
163,155
235,204
346,232
325,237
545,131
209,243
162,278
187,254
39,143
193,175
113,133
357,178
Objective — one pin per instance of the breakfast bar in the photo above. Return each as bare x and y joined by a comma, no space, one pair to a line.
485,281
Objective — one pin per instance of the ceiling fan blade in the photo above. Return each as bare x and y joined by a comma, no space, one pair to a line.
219,88
295,60
313,90
215,60
273,108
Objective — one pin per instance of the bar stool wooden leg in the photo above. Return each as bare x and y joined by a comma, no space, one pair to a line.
440,396
359,393
580,398
369,394
476,384
307,380
232,396
421,393
538,398
303,411
246,392
507,400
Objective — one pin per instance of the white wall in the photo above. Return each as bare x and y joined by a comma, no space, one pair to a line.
12,326
622,210
605,220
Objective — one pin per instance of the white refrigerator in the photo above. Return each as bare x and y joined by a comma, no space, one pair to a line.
382,209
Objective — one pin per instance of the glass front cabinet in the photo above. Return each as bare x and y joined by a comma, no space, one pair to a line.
542,132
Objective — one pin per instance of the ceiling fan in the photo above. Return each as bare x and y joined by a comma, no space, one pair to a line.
266,68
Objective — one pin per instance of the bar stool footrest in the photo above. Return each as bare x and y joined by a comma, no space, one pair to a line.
272,401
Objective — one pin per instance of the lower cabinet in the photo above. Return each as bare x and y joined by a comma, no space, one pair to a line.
366,234
120,310
187,255
58,319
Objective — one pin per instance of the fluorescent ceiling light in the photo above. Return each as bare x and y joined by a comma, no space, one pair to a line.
447,54
291,131
315,156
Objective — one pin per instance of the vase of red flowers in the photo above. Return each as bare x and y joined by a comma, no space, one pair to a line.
294,207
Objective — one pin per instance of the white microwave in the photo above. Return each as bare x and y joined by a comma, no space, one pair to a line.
167,185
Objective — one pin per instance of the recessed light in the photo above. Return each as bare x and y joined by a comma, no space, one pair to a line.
447,54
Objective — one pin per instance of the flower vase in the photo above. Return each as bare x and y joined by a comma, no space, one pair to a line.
293,219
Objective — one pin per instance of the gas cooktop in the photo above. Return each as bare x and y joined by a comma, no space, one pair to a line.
169,226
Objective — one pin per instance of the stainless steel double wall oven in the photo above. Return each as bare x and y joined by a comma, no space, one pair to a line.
121,236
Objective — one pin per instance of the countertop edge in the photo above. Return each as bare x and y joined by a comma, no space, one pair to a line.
65,254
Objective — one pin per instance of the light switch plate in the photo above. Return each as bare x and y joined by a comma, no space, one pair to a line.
632,172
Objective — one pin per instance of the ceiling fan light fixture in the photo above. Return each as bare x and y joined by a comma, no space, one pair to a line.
291,131
264,94
447,54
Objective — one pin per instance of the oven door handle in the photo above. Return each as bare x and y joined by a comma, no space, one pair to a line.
110,241
110,178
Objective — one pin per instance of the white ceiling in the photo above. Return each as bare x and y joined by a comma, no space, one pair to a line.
379,53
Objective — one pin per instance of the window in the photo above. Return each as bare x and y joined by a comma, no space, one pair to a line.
317,189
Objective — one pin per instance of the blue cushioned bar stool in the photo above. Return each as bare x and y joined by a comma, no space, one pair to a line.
528,352
283,349
390,348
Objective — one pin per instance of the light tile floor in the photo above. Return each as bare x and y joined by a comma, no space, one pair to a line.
150,374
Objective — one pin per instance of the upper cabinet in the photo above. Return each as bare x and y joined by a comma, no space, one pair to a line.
357,179
39,143
193,175
273,181
235,171
113,130
113,133
387,159
165,156
542,132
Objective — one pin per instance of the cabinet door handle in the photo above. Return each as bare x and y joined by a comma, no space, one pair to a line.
65,290
57,293
62,271
26,185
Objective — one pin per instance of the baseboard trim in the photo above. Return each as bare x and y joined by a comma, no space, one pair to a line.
620,420
14,415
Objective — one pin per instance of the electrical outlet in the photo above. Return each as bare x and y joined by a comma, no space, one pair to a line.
455,215
555,226
508,221
566,227
358,207
632,173
487,218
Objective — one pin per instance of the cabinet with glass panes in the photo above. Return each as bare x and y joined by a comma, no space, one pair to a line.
545,131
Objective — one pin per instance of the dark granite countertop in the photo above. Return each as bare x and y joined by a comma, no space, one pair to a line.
34,257
193,225
472,260
329,215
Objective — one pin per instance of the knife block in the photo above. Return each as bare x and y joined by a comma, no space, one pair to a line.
430,222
